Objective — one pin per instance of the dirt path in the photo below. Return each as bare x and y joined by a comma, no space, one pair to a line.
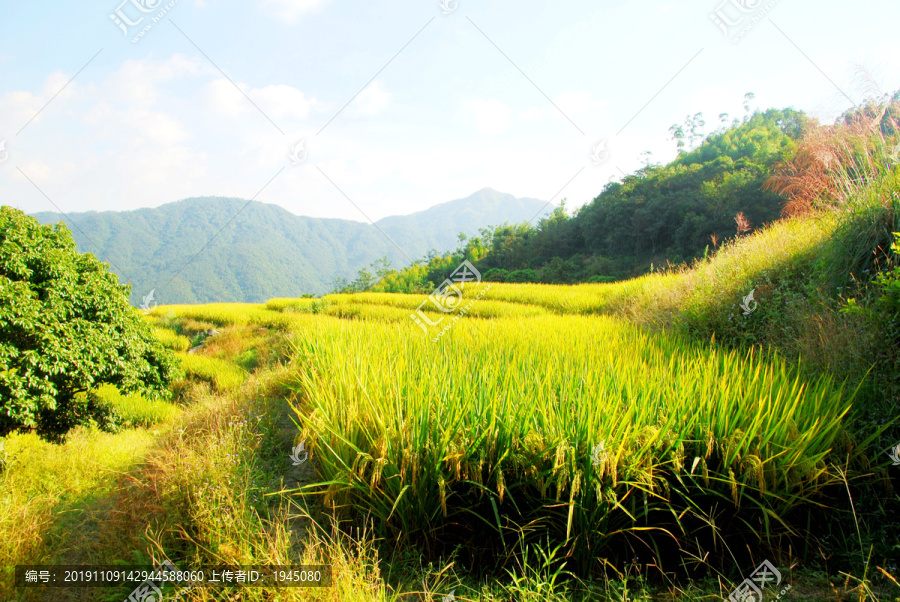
293,476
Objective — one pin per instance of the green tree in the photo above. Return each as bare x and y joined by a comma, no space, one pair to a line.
66,327
496,275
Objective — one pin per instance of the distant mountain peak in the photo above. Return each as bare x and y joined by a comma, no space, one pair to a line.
257,251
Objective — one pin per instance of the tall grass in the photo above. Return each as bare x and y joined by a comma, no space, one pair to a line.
431,441
136,411
834,164
172,340
42,483
238,314
222,374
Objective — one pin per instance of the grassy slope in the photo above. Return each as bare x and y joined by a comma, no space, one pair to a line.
204,482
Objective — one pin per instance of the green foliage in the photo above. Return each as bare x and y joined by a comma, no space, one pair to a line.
365,278
172,340
889,283
135,411
665,212
675,209
442,446
66,327
223,375
259,251
528,275
496,275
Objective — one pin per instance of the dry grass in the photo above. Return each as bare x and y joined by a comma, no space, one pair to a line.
833,164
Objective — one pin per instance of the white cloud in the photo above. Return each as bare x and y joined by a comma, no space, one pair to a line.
18,107
224,99
577,101
371,100
283,101
137,81
159,128
278,101
37,171
291,10
491,116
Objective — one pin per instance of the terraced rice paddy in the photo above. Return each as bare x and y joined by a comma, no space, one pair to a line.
528,417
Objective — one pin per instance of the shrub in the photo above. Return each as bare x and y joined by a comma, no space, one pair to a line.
496,275
66,327
527,275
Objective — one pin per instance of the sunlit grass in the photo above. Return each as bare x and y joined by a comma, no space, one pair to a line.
171,339
419,434
222,374
238,314
42,479
135,410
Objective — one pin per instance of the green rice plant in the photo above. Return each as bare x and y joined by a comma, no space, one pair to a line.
389,299
585,425
365,311
485,308
287,303
238,314
563,299
223,375
136,411
171,339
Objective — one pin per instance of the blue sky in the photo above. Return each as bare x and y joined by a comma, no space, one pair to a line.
511,95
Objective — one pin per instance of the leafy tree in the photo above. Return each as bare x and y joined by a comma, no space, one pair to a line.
748,97
662,212
66,327
677,131
528,275
496,275
694,126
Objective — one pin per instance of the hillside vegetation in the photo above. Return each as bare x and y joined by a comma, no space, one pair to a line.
212,249
652,438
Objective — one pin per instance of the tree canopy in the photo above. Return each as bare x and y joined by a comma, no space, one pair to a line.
661,213
66,327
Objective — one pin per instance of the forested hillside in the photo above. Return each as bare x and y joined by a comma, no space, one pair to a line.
662,214
253,251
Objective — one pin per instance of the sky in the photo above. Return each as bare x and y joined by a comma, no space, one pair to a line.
360,110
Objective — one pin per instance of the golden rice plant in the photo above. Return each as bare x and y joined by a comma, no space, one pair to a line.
220,373
584,424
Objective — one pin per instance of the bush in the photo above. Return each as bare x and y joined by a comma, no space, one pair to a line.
599,278
527,275
496,275
66,327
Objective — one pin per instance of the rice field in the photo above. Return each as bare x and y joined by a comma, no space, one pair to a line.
545,411
552,420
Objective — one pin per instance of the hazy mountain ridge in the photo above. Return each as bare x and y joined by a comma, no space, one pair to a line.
266,251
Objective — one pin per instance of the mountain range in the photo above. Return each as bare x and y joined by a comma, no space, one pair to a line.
216,249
